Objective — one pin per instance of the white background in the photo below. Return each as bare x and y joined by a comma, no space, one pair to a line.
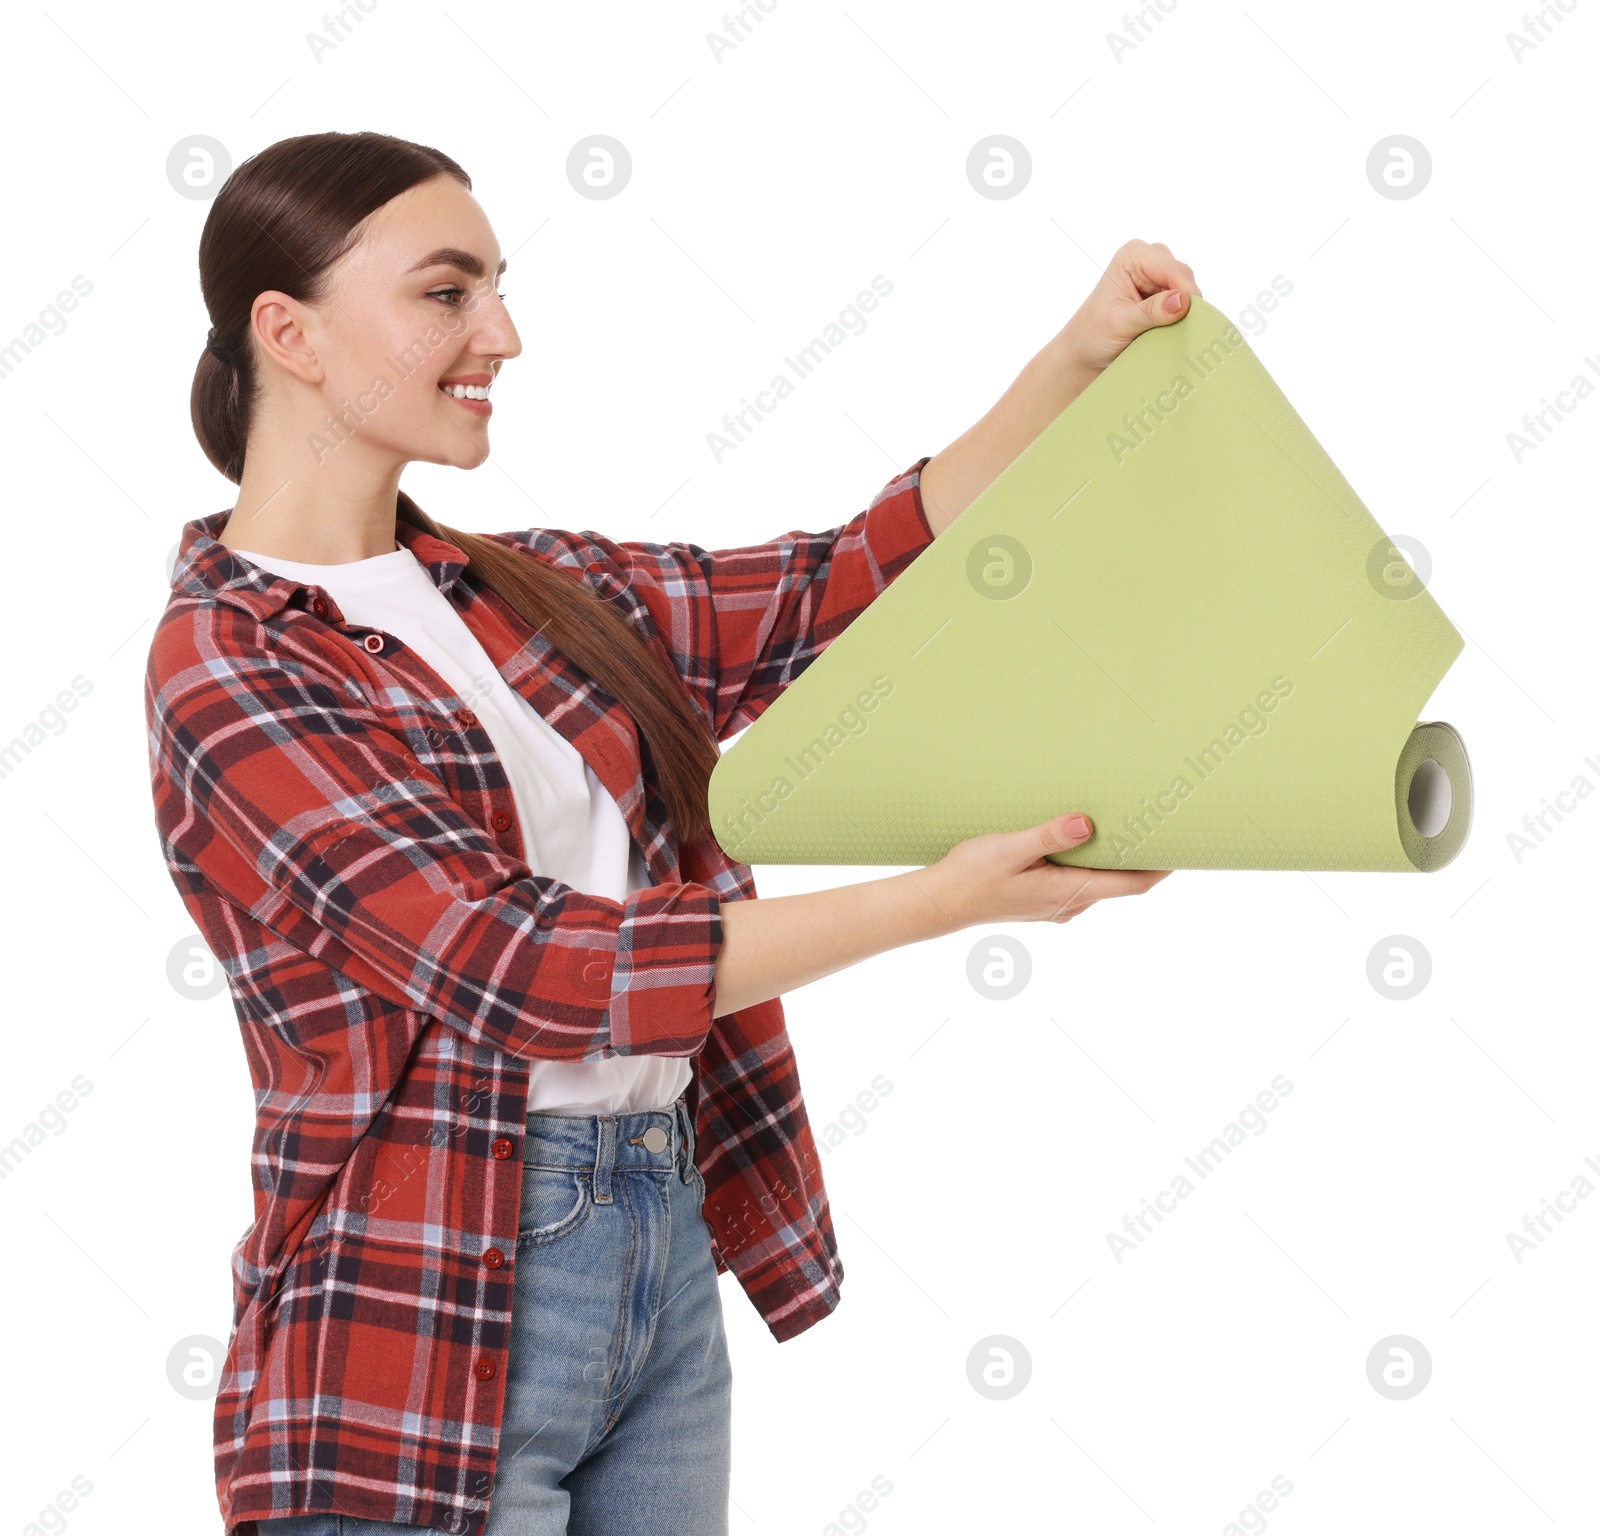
1168,1389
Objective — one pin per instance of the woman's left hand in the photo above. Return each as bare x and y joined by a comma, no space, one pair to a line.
1130,297
1144,286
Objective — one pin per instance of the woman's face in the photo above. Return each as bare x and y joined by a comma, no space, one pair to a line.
410,309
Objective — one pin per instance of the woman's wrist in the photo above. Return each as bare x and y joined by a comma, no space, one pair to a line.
1049,382
925,905
1066,364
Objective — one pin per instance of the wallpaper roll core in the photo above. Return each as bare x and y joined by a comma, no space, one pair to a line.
1172,612
1433,795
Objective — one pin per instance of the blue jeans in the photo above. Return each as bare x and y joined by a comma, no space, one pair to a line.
618,1398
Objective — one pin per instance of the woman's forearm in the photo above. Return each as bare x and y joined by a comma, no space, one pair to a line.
1144,285
773,944
952,479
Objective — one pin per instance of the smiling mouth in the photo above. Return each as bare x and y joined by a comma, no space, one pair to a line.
473,397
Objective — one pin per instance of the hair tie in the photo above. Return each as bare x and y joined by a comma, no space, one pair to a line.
215,348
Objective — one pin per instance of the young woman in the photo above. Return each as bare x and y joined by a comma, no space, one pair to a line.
437,802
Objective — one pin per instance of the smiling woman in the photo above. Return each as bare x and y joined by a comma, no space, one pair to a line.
356,777
437,801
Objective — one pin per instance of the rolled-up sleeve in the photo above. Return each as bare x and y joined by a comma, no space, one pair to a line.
326,829
741,624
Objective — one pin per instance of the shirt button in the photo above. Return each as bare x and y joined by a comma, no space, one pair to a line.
484,1369
319,607
501,1147
500,821
467,718
493,1258
373,643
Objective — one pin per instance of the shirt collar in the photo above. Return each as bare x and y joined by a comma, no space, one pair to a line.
206,569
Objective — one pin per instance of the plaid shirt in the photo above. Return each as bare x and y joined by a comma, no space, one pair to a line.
343,835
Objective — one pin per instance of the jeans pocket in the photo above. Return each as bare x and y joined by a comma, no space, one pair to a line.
554,1202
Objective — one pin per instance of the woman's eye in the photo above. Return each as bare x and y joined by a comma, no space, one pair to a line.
452,294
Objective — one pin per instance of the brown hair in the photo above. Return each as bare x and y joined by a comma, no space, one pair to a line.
281,220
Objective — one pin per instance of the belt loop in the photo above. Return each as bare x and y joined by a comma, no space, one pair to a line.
605,1151
687,1139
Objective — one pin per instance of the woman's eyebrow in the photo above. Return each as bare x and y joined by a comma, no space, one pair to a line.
454,256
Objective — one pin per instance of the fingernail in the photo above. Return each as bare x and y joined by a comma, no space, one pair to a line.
1078,826
1174,301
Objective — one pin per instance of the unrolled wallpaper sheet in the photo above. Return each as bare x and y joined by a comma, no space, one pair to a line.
1171,612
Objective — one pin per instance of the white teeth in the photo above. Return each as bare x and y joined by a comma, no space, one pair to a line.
467,391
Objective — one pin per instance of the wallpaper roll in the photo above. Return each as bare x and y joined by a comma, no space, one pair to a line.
1171,612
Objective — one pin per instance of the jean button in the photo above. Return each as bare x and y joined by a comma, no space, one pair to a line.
655,1139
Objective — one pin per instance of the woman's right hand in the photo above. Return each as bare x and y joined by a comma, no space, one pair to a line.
773,944
1005,877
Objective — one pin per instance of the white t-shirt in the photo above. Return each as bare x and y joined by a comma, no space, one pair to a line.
572,828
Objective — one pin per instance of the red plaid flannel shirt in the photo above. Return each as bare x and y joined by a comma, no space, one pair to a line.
340,830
